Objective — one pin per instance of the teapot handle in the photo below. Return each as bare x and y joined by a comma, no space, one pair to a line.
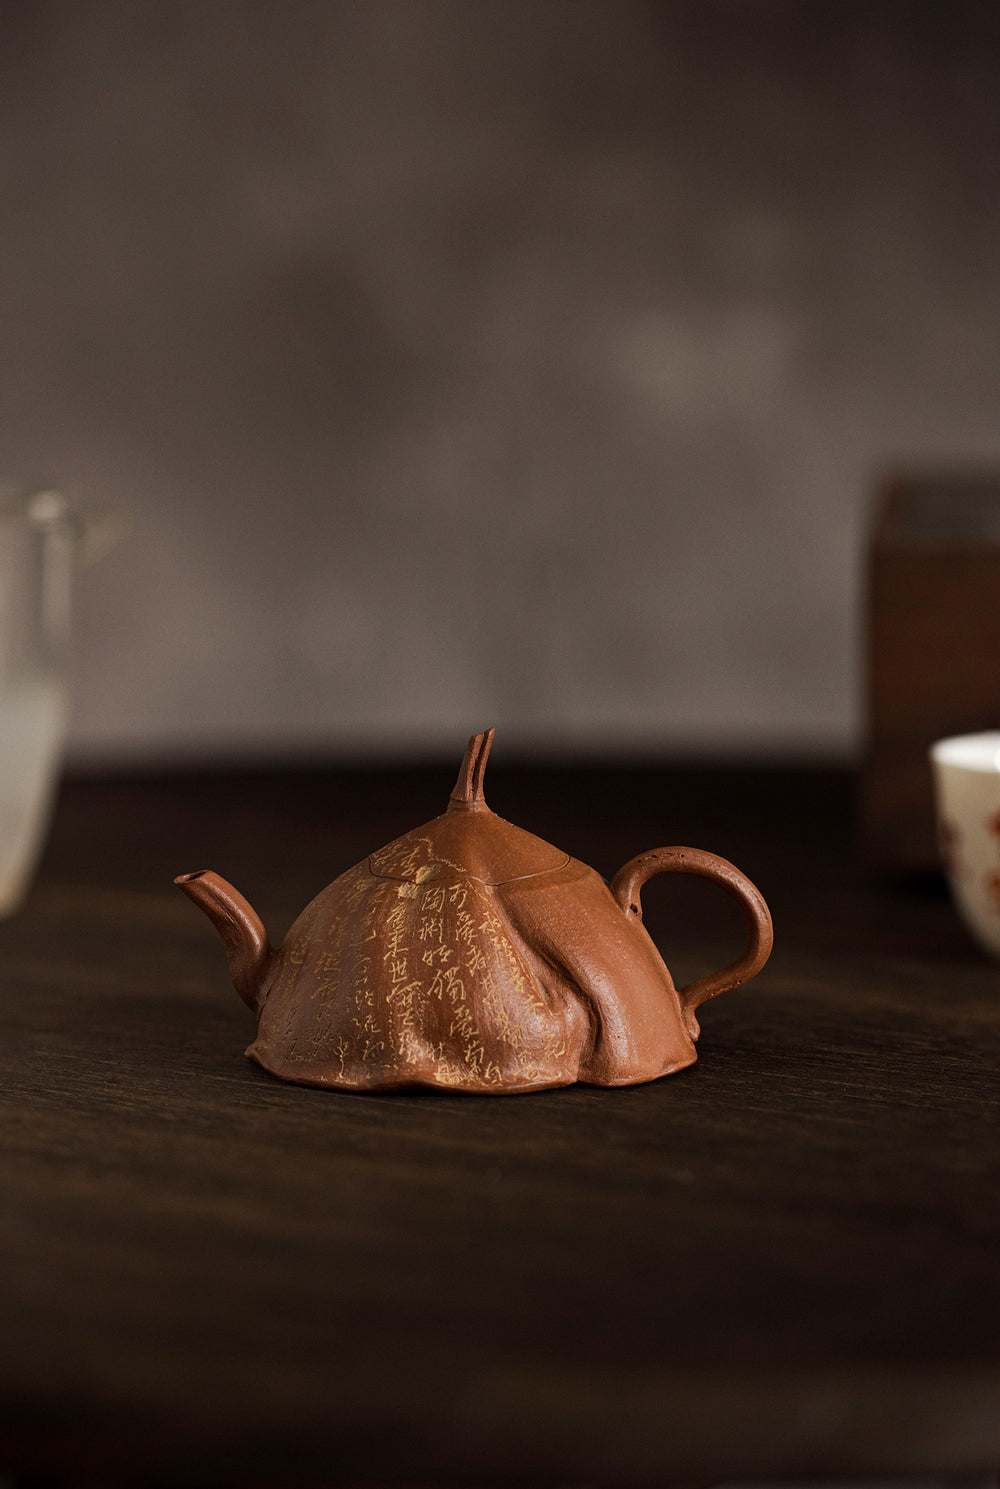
628,882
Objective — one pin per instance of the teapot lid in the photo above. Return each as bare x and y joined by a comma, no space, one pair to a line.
468,839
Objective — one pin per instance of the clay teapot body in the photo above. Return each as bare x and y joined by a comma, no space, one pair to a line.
471,956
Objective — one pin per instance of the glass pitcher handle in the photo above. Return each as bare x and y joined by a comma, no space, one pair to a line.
92,532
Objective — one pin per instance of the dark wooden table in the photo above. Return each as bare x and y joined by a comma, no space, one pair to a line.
783,1261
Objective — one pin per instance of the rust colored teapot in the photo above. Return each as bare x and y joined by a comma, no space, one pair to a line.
471,956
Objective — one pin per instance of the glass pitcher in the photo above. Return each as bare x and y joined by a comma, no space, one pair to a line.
42,537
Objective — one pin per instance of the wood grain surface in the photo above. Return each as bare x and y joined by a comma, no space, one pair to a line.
783,1261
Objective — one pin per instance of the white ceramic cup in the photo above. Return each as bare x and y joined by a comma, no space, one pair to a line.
967,790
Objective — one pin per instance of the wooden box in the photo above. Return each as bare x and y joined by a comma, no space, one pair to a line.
933,649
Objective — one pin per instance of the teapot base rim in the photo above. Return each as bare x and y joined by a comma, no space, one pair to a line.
379,1085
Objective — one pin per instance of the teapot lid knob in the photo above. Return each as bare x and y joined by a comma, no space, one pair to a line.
468,793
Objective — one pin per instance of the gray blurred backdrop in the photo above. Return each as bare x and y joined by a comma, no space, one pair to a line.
525,362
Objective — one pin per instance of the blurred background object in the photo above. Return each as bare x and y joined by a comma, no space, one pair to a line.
44,536
522,362
934,648
36,562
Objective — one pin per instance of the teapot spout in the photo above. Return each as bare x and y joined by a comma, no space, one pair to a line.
251,955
